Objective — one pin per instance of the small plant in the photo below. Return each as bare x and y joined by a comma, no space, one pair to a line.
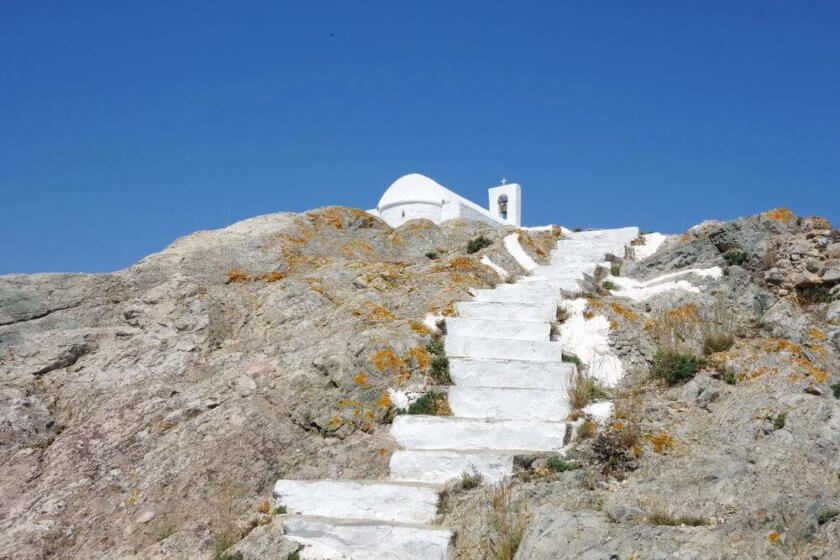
572,359
827,515
470,480
664,518
222,541
583,389
615,269
280,510
717,342
508,523
432,403
562,314
477,244
835,390
779,420
607,285
557,464
432,255
435,346
293,556
510,279
675,367
817,293
587,429
735,257
729,378
439,369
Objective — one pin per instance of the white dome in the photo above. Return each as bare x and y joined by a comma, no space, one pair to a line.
415,187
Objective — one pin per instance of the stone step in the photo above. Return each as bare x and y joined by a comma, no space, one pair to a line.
505,311
486,328
506,403
439,466
501,349
380,501
518,294
469,372
435,432
361,539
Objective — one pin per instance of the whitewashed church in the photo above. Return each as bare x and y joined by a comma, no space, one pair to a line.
416,196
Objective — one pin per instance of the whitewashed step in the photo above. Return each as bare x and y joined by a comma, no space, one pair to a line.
506,311
500,349
508,403
517,294
439,466
510,373
485,328
435,432
353,539
380,501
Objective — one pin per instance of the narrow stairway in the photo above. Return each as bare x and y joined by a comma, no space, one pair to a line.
508,397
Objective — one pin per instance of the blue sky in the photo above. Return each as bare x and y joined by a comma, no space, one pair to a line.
124,125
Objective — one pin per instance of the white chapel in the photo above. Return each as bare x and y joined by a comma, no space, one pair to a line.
416,196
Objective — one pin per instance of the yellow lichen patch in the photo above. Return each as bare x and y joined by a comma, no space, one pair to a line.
396,239
335,421
774,536
237,275
420,355
449,310
661,442
404,375
385,400
624,312
595,303
780,214
382,452
457,263
588,315
528,242
386,360
817,334
418,327
131,501
273,276
378,312
356,248
613,325
687,312
264,507
361,379
349,402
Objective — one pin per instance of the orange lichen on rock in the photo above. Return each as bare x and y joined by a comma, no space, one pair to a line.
335,421
817,334
385,400
418,327
273,276
688,312
457,263
356,248
613,325
774,536
588,315
361,379
661,442
237,275
780,214
449,310
386,360
624,312
420,355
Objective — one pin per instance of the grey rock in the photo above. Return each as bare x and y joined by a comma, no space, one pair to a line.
831,276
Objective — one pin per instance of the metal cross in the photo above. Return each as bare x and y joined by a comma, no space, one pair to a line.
504,181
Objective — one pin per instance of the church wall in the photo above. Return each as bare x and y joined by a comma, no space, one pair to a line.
396,215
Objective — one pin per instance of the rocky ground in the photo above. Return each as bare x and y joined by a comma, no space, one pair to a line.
146,413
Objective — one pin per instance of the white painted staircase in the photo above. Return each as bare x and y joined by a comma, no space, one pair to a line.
508,397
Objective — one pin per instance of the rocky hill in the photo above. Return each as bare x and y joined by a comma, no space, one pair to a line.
147,413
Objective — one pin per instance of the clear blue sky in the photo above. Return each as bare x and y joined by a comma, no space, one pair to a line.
124,125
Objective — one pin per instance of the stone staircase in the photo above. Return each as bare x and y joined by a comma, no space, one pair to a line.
508,397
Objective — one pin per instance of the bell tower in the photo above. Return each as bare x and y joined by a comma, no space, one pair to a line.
505,203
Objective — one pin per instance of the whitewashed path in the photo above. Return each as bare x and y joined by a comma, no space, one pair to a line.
508,396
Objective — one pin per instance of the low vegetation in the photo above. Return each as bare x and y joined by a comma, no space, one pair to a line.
675,367
432,255
508,522
735,257
558,464
439,364
615,269
661,517
607,285
584,389
470,480
827,515
433,403
477,244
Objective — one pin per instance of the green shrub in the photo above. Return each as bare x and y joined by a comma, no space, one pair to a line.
735,257
293,556
478,244
779,420
615,269
470,480
729,378
562,314
827,515
439,369
835,390
432,255
557,464
818,293
572,359
280,510
675,367
432,403
435,346
607,285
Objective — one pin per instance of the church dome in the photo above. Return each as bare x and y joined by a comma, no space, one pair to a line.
414,187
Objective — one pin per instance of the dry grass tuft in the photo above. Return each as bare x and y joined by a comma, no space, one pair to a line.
508,522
